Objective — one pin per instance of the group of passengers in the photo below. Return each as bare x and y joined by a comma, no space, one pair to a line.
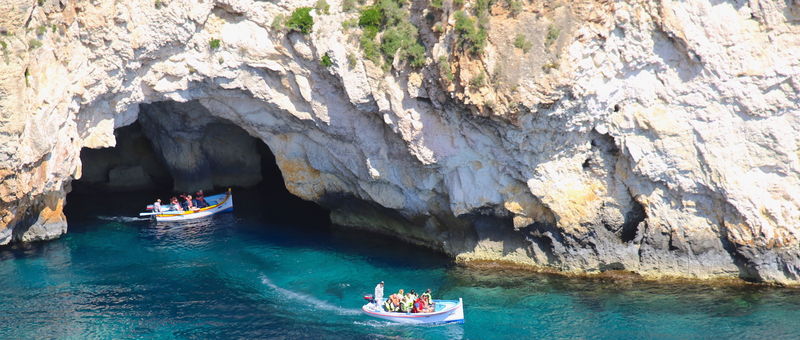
402,302
183,202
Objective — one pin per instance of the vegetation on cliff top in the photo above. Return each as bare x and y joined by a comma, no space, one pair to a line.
388,34
300,20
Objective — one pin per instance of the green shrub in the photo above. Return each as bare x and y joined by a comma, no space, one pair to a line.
393,14
277,22
159,4
54,28
402,41
444,69
437,4
482,7
34,44
322,7
416,55
370,32
214,44
369,46
349,23
41,30
458,3
40,2
370,17
521,43
552,35
478,81
471,36
326,60
391,41
301,20
399,38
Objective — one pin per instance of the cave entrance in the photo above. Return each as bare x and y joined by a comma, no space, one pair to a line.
181,147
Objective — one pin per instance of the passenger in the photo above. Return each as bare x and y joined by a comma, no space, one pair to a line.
200,198
182,200
427,295
157,206
175,205
407,304
387,306
398,302
189,203
392,303
420,306
430,306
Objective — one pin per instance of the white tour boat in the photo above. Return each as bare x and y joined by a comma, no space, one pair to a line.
446,311
216,204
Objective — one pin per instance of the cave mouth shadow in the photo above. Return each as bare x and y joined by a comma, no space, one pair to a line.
120,181
177,148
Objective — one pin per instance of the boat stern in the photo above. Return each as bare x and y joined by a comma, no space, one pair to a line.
457,316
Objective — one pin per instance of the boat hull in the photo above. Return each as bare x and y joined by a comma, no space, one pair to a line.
453,312
218,204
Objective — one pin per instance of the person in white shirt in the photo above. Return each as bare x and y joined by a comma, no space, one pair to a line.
378,294
157,205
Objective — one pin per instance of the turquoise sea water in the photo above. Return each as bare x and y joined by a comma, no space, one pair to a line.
254,274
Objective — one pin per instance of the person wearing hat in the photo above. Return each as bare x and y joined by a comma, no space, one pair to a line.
378,294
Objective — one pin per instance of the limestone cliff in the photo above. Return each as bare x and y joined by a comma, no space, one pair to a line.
659,137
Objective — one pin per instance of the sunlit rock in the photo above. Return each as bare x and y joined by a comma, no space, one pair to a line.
655,137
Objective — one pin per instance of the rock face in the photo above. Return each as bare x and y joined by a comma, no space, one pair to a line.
657,137
131,165
199,150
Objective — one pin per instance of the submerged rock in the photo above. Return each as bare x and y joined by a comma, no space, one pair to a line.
585,136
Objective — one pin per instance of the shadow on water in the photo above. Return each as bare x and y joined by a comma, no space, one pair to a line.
265,214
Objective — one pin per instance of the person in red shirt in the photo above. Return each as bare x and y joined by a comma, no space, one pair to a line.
420,306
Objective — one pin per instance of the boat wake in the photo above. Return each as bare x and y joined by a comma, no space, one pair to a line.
309,300
378,324
122,218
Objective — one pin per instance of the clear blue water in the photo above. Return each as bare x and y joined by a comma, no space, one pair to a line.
254,275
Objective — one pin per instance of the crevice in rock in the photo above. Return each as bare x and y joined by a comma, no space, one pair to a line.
746,270
633,218
549,239
543,241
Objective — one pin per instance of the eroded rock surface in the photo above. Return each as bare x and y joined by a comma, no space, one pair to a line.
658,137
